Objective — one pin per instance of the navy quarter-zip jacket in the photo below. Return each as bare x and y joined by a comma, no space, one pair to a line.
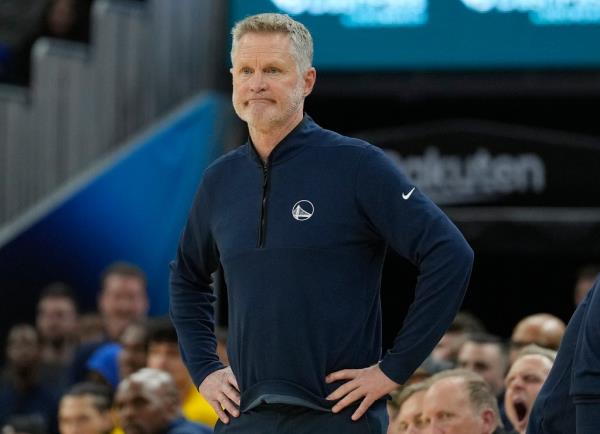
302,241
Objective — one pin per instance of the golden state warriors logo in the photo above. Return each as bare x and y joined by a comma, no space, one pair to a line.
303,210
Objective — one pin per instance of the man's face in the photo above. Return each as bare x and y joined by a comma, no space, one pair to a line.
23,347
486,360
268,88
447,348
133,350
56,318
142,411
166,357
78,415
523,383
122,301
448,410
410,417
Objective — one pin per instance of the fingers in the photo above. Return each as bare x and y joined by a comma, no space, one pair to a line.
232,394
349,399
343,390
346,374
217,408
228,405
362,408
231,379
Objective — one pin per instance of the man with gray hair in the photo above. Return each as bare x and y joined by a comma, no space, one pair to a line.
300,219
148,403
459,401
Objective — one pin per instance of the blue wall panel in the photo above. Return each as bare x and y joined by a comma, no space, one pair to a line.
133,209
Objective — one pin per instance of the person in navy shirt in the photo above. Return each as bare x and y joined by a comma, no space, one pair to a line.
300,219
569,401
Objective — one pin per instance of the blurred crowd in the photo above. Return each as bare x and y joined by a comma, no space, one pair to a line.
22,22
118,371
478,383
112,371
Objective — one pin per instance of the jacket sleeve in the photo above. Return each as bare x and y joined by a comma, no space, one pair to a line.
191,295
420,232
585,380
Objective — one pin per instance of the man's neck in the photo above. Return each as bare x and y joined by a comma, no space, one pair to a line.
266,140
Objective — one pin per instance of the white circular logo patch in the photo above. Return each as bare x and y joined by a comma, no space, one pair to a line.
303,210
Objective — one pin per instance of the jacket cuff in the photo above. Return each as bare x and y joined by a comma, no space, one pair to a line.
391,369
199,376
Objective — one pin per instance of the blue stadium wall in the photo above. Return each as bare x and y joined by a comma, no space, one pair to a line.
131,207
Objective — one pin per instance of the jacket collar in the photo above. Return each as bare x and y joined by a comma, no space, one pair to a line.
289,146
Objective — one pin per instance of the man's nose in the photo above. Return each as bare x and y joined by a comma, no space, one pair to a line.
517,383
257,82
434,428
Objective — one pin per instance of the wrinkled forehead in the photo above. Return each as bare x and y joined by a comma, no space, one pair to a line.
531,363
445,394
254,44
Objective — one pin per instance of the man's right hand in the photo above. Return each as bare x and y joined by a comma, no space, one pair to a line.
222,392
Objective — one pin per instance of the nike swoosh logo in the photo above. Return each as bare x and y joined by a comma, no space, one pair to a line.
405,196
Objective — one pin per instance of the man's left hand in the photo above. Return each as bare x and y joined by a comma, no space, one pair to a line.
370,384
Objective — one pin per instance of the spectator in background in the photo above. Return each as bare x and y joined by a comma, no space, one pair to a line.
62,19
523,383
67,19
569,401
447,348
91,329
57,323
586,276
487,356
123,298
164,354
409,418
134,349
19,26
86,409
148,403
103,365
122,301
542,329
23,391
116,360
459,401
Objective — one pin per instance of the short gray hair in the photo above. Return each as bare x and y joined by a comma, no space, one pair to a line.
153,381
479,392
408,391
536,350
300,37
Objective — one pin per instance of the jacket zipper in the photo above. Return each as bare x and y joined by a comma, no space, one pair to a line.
263,211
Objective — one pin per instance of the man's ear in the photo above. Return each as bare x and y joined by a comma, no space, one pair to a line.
310,77
490,420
